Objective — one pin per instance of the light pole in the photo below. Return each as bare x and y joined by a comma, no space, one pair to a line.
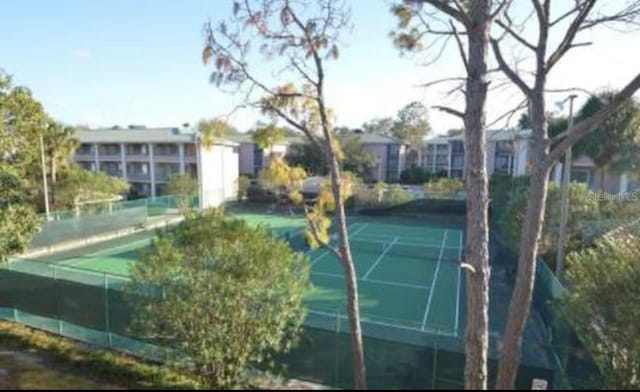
564,194
44,179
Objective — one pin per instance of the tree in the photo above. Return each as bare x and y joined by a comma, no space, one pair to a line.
380,126
412,127
571,18
78,186
243,183
309,157
302,35
602,305
284,181
417,19
357,159
232,295
213,129
584,212
22,122
18,220
605,144
268,136
184,187
59,144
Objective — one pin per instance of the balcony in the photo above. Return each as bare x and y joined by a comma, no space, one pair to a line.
138,176
84,156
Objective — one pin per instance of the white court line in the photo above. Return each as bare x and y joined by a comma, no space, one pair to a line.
364,225
379,259
397,284
323,254
363,238
433,282
458,288
368,320
326,252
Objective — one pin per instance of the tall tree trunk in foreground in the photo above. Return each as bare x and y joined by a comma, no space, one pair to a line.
476,252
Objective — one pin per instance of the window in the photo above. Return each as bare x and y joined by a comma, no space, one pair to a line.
581,175
258,158
393,161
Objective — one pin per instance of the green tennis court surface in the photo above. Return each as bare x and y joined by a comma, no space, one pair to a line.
113,257
408,272
408,276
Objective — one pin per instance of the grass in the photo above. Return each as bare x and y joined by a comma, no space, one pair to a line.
70,363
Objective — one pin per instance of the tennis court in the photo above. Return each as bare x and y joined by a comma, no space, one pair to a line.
113,257
408,272
408,276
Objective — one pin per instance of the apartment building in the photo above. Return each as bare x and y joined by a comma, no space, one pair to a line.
147,157
508,153
390,153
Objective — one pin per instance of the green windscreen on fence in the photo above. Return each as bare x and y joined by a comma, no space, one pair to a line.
96,219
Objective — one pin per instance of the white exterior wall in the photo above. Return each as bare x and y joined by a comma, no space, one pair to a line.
521,150
231,172
218,172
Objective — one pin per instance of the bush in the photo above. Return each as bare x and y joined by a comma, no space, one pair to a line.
443,187
243,186
602,305
583,213
231,295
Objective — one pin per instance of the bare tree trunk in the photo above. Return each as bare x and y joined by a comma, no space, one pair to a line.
346,259
532,227
476,186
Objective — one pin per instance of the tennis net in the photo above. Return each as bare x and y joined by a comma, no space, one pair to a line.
406,249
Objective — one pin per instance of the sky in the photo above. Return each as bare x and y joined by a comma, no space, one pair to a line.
121,62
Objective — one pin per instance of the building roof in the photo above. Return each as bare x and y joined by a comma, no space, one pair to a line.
492,135
142,135
373,138
366,138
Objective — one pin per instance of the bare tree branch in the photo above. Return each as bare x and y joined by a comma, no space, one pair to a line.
463,56
515,35
511,74
509,113
569,35
449,110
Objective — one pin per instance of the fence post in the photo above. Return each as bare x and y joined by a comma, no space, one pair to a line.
336,352
434,371
106,310
58,302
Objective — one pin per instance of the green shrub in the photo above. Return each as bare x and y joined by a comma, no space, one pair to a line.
443,187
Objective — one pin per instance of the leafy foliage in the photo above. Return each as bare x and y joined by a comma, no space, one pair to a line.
211,130
411,127
78,185
283,180
243,183
443,186
583,212
231,294
268,136
602,305
185,187
18,221
356,158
